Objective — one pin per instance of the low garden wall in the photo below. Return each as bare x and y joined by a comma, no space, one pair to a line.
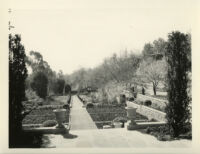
158,102
148,112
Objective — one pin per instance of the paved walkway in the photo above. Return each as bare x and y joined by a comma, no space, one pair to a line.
80,119
110,138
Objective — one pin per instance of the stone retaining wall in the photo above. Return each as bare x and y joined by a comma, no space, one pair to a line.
148,112
158,102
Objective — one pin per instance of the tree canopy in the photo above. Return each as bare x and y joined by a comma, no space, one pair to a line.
153,72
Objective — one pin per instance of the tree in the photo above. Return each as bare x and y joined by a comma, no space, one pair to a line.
156,50
159,47
60,86
177,111
39,84
148,49
17,76
35,61
153,72
122,68
38,64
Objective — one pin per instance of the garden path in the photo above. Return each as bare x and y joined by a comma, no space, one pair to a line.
80,119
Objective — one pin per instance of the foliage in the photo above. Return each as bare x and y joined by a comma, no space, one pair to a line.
106,112
39,84
147,102
17,76
156,50
37,64
29,140
30,94
59,86
40,115
159,47
67,88
49,123
122,68
89,105
148,49
117,68
161,133
177,110
66,106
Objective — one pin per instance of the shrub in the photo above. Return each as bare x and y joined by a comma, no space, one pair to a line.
147,102
131,99
50,107
152,120
30,94
60,84
67,89
148,130
89,105
122,99
66,106
113,101
49,123
39,84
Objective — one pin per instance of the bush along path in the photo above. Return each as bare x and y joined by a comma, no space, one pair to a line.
79,117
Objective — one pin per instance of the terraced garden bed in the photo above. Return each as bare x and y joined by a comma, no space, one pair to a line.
41,115
105,114
44,111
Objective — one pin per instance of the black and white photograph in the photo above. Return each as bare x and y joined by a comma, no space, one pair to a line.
112,75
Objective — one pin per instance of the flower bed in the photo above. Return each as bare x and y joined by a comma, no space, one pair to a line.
44,111
105,114
162,133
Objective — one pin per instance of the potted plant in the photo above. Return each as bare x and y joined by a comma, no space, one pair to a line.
131,114
60,117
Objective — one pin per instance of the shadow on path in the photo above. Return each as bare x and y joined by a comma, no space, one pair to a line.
69,136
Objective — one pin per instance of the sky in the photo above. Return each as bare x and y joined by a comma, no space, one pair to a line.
81,33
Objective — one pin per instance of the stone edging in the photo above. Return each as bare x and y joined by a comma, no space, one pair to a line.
148,112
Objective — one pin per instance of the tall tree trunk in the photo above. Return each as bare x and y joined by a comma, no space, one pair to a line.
154,89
